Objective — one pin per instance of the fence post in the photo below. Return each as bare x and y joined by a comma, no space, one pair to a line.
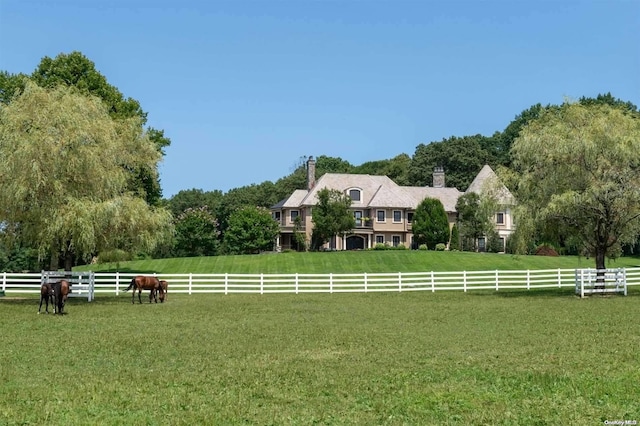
330,282
117,282
365,282
433,283
296,284
400,281
190,282
528,279
464,280
4,281
261,282
226,283
559,279
497,281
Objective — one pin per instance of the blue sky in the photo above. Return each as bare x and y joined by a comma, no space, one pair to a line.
245,89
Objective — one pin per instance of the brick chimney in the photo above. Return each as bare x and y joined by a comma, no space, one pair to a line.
311,173
438,177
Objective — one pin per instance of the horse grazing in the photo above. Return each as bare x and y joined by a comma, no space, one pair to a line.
61,292
163,294
143,282
46,294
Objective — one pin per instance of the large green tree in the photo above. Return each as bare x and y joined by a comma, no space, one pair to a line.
76,70
194,199
430,223
579,169
331,216
474,219
461,158
196,233
63,177
250,230
10,85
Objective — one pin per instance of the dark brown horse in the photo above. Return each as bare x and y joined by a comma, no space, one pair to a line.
143,282
61,291
163,294
46,294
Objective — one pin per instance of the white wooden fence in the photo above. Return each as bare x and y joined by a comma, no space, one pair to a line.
116,283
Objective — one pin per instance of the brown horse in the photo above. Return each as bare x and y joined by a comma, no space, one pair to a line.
163,293
61,291
143,282
46,294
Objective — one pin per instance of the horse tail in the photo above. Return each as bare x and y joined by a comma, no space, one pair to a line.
133,283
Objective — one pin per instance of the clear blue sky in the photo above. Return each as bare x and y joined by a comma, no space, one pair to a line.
244,89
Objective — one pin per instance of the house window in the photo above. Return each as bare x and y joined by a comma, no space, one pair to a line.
396,240
379,239
276,216
397,216
294,214
410,217
500,218
358,216
380,214
354,194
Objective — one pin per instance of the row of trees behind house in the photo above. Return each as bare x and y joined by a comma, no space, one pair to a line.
81,180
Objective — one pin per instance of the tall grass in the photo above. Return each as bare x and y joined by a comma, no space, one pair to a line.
511,358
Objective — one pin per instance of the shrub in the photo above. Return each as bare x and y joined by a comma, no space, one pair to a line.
546,249
380,246
401,247
440,247
422,247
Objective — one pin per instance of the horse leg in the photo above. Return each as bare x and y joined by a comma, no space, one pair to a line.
140,297
40,307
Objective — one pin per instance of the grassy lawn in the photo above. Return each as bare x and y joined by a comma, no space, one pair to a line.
412,358
355,262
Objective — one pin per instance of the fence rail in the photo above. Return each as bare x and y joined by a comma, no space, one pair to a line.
116,283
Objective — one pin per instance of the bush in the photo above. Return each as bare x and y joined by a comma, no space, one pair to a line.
401,247
380,246
546,250
440,247
422,247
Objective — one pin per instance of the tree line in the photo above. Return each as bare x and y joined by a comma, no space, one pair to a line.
69,193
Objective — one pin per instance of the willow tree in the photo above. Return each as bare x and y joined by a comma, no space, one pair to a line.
579,171
63,178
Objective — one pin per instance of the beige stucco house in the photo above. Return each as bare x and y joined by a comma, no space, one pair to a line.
383,210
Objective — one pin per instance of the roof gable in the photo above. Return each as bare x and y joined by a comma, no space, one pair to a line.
487,182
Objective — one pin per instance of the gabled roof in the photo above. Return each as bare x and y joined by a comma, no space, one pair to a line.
486,181
376,192
294,199
382,192
447,196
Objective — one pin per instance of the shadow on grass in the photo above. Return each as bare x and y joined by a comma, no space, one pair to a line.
126,271
34,300
545,293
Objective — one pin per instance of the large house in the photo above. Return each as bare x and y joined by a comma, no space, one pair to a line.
383,210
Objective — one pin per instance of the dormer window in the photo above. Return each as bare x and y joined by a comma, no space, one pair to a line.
355,194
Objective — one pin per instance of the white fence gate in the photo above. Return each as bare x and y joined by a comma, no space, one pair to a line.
601,281
82,284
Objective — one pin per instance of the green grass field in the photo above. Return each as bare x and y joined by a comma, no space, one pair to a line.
512,358
355,262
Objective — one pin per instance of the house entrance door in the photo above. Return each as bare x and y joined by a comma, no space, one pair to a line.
355,242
